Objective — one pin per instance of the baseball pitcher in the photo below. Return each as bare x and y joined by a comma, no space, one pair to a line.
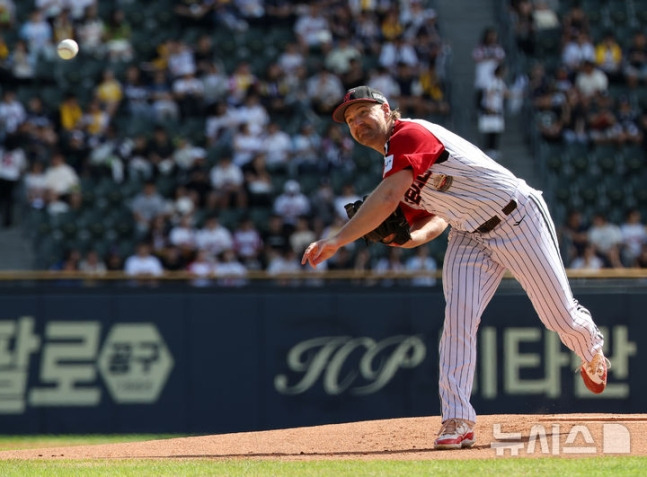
498,223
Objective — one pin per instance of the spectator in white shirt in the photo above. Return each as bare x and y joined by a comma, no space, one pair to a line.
382,80
253,113
418,20
60,177
278,144
248,243
398,51
54,204
22,63
606,238
214,237
312,29
143,264
591,80
339,58
487,55
324,88
634,236
181,60
38,34
228,181
291,204
187,155
184,235
291,59
245,145
78,7
13,163
50,8
90,32
576,50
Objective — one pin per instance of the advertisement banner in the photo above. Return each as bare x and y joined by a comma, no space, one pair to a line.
192,361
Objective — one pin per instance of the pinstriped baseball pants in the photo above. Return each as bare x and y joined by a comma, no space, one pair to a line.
525,243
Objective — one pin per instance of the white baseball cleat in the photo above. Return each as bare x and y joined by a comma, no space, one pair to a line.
455,434
594,373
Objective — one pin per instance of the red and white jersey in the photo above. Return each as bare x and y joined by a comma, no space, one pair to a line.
465,187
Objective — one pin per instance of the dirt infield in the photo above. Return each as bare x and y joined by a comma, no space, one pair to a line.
571,435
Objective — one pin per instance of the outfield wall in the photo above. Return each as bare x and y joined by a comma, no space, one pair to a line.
171,360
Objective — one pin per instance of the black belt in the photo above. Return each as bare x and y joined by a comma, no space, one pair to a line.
490,224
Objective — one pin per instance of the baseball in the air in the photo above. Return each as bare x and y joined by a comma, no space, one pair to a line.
67,49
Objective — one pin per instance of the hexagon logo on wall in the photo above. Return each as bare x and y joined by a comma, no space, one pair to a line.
135,363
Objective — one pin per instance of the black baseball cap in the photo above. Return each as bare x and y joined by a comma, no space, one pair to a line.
355,95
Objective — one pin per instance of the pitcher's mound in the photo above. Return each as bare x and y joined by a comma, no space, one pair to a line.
567,435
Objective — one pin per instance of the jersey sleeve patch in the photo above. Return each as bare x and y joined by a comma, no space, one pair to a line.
388,163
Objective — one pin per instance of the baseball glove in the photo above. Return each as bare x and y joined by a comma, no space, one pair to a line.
394,229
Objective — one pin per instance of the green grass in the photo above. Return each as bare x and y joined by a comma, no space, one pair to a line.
41,441
519,467
588,467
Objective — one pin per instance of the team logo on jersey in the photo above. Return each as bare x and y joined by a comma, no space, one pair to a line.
413,195
388,163
441,182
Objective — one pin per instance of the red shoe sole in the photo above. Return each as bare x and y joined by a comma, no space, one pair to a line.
448,444
595,388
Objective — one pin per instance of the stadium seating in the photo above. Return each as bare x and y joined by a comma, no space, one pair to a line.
104,221
594,177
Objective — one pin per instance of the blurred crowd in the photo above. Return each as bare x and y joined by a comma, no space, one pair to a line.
264,125
591,82
603,244
212,119
587,84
